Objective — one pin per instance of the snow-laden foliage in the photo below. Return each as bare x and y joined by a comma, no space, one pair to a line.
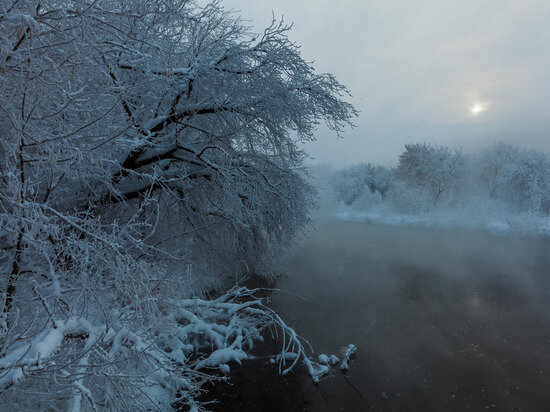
147,150
363,180
162,365
433,167
503,187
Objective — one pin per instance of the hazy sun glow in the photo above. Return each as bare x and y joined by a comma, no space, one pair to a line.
477,108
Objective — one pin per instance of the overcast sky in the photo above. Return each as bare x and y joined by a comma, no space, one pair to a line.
461,72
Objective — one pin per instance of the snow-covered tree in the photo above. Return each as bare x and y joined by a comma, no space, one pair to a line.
434,167
518,177
492,164
354,182
502,183
528,182
147,147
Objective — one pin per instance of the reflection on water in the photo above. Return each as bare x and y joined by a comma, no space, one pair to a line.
462,320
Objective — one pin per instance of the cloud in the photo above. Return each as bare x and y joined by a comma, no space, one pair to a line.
416,68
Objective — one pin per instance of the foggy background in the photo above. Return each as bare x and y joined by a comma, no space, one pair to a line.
454,73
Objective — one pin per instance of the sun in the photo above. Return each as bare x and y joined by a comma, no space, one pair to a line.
477,108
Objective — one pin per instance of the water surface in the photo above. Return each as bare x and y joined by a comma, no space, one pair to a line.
461,319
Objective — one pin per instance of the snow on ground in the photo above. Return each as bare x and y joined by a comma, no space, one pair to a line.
497,225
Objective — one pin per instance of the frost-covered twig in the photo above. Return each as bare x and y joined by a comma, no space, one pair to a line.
198,339
348,354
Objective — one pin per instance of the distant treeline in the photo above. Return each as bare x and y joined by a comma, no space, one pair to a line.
503,177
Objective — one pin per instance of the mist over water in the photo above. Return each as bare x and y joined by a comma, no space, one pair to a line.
461,319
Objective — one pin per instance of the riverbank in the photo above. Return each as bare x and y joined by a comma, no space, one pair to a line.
532,225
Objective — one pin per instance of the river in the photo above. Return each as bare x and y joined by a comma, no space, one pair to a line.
458,320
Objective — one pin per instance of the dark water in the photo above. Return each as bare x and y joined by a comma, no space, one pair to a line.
462,321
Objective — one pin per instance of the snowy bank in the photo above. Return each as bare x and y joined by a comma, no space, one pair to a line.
497,225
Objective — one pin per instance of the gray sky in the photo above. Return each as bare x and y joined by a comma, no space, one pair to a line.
459,73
